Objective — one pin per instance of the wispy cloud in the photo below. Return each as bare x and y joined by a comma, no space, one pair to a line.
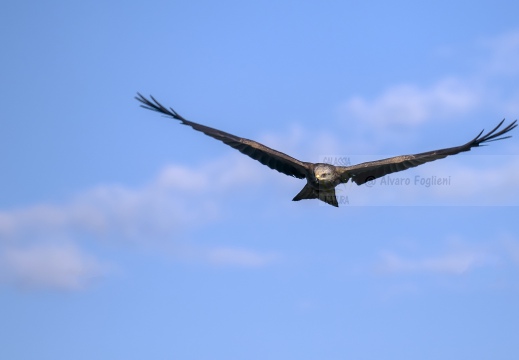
62,267
457,257
303,144
39,244
452,263
176,198
487,180
408,104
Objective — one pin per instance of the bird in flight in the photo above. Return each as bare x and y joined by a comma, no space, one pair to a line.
321,179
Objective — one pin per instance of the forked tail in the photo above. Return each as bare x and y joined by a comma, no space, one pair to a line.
308,192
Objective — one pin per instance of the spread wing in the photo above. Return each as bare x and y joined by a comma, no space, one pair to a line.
368,171
272,158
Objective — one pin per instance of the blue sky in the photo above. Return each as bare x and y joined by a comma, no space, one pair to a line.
126,236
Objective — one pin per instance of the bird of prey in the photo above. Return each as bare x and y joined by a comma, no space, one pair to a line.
321,179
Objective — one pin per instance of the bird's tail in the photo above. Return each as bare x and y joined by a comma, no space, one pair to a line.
308,192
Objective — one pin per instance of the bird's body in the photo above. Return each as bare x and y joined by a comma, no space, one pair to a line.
323,178
320,184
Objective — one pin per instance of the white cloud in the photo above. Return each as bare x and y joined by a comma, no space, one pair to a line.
303,144
452,262
234,171
288,142
49,266
487,180
182,178
408,104
391,113
106,211
458,257
178,197
38,244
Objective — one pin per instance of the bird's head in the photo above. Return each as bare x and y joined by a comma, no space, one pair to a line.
323,172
